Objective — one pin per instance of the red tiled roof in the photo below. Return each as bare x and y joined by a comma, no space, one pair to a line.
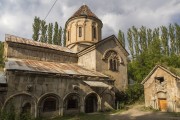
84,11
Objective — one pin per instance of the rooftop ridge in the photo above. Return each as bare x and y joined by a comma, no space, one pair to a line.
21,40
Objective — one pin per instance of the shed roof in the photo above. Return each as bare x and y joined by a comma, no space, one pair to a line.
20,40
50,67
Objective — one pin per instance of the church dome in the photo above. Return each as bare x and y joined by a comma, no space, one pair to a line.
83,29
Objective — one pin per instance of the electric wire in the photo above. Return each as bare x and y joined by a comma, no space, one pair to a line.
50,9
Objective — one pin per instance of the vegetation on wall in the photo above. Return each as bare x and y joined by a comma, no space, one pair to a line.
48,33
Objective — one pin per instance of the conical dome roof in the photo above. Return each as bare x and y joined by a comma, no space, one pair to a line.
84,11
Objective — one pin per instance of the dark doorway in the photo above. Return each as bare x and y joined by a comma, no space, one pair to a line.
91,103
26,108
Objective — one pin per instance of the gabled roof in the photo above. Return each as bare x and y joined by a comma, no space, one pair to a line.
112,37
50,67
168,70
84,11
20,40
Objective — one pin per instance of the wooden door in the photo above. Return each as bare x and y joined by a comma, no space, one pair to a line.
163,104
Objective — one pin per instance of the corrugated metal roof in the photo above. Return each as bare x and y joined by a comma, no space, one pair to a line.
97,84
15,39
49,67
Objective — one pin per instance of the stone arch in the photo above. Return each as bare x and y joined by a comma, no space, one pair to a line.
54,108
24,98
92,102
72,103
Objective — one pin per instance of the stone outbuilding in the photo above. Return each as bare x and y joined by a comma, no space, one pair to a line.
49,80
162,89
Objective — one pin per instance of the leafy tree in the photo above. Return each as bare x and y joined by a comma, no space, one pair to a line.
172,38
177,27
130,40
55,36
50,33
136,41
142,38
164,38
36,28
59,37
64,37
43,29
121,38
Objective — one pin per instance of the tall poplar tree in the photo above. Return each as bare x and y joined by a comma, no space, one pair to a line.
177,27
59,36
55,36
64,37
130,41
172,38
142,38
164,39
136,42
149,37
36,28
121,38
50,33
43,37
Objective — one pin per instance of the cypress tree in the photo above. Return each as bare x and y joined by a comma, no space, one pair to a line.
142,38
177,28
64,37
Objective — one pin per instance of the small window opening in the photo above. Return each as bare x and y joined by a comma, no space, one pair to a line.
115,67
94,32
68,36
49,105
160,79
80,31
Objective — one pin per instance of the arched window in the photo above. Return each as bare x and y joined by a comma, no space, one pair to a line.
72,103
26,108
114,64
68,35
110,64
49,104
94,32
80,31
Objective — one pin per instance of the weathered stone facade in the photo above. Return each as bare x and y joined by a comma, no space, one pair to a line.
162,90
50,80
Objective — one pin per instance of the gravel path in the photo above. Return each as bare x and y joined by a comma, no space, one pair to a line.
134,113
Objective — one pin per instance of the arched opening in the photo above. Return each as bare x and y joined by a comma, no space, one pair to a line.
94,32
91,103
50,104
115,65
72,102
26,108
80,31
110,64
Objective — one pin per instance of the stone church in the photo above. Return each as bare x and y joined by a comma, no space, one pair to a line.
162,89
50,80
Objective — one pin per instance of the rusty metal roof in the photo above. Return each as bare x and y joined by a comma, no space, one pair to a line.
50,67
20,40
97,84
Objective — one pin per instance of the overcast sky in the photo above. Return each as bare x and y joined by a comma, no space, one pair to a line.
16,16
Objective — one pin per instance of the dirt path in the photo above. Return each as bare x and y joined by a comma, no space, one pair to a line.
135,113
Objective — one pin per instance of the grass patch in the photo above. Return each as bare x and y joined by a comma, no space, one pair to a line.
94,116
148,109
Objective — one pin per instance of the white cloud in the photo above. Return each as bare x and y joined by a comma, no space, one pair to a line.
16,16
